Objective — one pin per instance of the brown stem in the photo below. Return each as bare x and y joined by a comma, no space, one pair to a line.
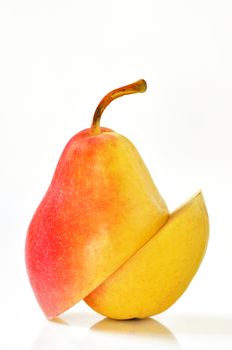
138,86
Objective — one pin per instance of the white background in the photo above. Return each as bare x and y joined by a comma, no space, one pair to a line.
57,60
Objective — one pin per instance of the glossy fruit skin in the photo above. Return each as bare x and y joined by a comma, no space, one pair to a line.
158,274
100,208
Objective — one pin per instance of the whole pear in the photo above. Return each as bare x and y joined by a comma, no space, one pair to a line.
100,208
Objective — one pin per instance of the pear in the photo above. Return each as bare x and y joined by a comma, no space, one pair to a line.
100,208
159,273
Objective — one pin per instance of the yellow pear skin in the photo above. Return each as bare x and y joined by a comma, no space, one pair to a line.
158,274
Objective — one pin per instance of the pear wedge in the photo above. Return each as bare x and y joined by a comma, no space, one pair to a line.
157,275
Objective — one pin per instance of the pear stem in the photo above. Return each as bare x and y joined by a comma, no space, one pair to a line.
138,86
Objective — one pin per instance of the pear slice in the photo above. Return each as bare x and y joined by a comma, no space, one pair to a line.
157,275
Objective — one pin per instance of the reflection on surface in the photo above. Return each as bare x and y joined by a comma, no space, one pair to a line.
138,327
143,333
81,331
59,321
